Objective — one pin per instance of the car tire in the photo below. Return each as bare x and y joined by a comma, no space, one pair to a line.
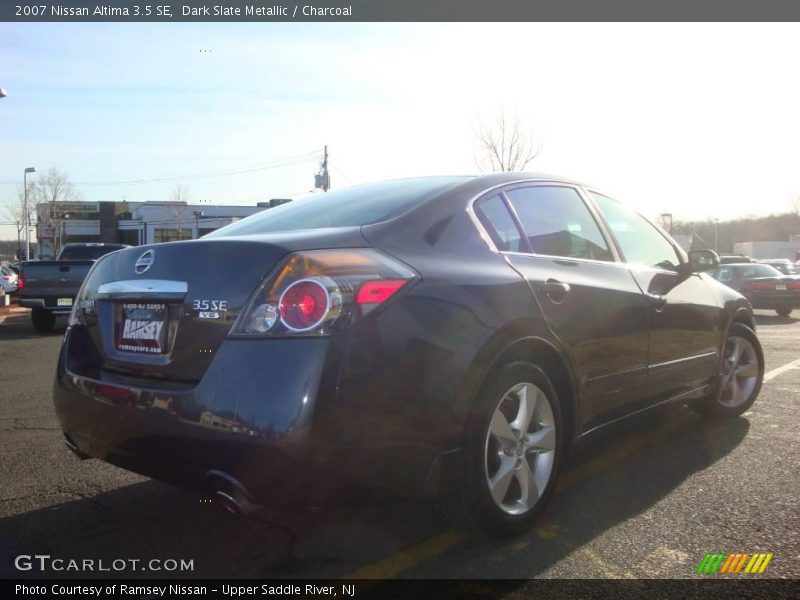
784,311
498,452
740,377
43,320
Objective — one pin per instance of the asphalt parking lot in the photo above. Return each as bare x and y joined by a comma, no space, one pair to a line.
646,498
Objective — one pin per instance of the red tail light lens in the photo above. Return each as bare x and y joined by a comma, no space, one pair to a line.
319,291
20,281
304,305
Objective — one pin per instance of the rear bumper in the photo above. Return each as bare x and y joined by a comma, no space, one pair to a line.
268,414
248,417
770,301
48,304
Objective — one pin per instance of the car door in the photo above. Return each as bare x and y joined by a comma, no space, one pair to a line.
591,303
685,320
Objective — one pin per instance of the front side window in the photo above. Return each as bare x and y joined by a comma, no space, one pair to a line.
640,241
557,223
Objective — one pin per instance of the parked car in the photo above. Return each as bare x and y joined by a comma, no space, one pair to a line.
730,259
49,287
763,285
8,280
446,337
783,265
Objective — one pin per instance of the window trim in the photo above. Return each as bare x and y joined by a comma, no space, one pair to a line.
526,183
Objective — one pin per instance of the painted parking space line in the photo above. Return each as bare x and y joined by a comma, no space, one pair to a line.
795,364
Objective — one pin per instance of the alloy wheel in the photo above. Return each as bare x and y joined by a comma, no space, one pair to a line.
739,372
520,448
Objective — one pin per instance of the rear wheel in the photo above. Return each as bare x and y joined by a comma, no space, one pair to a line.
43,320
513,453
784,311
741,374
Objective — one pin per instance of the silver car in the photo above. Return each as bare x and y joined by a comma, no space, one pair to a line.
8,279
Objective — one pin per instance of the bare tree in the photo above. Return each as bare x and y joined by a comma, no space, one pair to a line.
505,145
15,212
179,196
52,186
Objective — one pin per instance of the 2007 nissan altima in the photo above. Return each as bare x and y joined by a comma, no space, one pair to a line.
446,337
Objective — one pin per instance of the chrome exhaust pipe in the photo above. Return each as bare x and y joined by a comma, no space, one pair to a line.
230,494
74,449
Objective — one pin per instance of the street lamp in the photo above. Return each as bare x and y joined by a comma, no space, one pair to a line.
197,214
666,219
27,217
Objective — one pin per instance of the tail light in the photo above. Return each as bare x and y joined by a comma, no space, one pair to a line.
793,285
319,291
20,281
7,277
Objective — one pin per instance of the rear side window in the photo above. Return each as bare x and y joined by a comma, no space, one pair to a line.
557,223
498,222
723,274
640,242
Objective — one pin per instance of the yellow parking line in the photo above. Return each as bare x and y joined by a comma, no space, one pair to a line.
398,562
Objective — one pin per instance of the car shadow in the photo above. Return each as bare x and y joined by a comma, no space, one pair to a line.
775,319
18,327
611,476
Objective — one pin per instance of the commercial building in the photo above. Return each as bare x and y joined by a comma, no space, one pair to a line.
133,223
789,249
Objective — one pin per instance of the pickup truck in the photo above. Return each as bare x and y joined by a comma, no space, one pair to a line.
49,287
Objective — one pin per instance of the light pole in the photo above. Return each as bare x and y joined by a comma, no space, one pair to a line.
197,214
27,217
666,219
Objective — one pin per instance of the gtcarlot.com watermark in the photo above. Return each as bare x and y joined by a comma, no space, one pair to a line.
44,563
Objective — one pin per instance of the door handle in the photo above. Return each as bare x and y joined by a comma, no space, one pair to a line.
657,301
556,290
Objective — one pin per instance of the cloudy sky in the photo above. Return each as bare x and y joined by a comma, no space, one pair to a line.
699,120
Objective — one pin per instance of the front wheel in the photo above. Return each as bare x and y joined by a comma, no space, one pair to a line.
740,377
784,311
513,453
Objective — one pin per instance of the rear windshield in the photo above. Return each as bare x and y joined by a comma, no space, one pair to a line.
360,205
754,271
786,268
86,252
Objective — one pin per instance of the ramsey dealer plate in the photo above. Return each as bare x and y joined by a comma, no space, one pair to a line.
142,327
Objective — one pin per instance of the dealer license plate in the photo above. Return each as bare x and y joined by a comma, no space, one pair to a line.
142,327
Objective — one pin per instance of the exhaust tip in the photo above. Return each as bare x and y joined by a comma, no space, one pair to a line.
228,503
74,449
230,494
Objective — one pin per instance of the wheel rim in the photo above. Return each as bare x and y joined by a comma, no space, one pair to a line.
739,372
520,448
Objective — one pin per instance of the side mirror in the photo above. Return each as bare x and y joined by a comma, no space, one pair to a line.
703,260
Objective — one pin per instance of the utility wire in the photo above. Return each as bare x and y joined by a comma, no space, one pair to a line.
282,162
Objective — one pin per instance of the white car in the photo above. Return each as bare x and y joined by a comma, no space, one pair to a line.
8,280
